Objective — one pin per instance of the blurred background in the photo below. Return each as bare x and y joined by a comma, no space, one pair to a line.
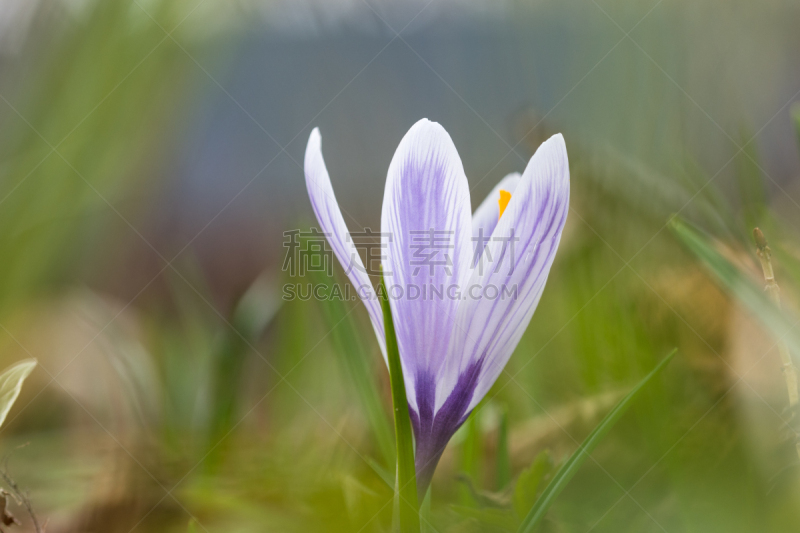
151,162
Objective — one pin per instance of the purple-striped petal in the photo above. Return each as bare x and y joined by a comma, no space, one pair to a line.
518,261
426,233
488,328
332,224
485,218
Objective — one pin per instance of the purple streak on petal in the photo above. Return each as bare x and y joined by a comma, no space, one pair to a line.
432,433
425,390
320,192
536,214
485,218
426,189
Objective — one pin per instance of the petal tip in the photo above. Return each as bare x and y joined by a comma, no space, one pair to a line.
313,150
556,147
558,140
315,138
424,125
426,133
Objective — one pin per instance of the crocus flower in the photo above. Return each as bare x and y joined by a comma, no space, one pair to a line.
455,337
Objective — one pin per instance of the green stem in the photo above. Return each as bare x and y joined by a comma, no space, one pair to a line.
406,485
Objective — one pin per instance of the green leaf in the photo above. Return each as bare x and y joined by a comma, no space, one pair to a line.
406,474
11,384
571,466
740,285
528,482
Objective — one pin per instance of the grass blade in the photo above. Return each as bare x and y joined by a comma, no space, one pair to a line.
11,384
571,466
406,474
528,482
357,365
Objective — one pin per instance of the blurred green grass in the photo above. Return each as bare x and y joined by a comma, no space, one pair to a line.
273,416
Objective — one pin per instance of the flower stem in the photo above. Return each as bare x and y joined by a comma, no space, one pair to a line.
407,502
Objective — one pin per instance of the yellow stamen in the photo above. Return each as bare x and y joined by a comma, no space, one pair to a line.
505,197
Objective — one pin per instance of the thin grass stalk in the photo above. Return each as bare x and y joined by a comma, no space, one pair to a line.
773,291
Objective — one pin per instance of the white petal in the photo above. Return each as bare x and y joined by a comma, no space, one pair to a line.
427,233
490,328
485,218
332,224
